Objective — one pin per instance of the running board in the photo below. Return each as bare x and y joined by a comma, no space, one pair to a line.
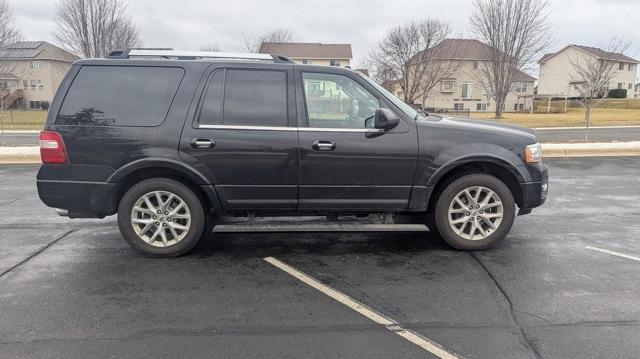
325,227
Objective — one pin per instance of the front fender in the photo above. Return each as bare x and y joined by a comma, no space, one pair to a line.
475,153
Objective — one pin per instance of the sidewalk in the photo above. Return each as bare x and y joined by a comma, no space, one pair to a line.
31,154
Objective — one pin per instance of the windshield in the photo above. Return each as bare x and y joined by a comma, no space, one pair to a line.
391,97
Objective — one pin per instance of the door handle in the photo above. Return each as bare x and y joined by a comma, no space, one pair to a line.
324,145
202,143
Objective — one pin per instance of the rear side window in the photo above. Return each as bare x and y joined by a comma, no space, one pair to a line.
120,96
255,98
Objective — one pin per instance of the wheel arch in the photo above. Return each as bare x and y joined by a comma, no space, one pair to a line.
506,172
136,171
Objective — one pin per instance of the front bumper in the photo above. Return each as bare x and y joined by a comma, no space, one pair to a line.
534,194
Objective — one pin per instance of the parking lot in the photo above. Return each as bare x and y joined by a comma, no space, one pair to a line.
564,284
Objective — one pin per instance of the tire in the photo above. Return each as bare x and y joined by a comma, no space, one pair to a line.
174,230
492,212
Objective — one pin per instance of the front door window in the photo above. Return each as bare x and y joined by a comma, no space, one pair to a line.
336,101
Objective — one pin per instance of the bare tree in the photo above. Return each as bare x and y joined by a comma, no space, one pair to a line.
9,32
92,28
590,76
252,44
516,32
405,57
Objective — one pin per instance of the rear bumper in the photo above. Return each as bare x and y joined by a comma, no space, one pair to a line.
80,199
534,194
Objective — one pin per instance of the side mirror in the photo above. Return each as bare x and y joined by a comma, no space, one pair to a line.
385,119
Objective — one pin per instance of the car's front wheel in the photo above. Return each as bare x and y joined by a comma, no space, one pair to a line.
161,217
474,212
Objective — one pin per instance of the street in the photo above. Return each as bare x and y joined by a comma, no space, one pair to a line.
564,284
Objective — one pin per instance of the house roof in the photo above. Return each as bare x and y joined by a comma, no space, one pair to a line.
307,50
599,53
363,71
521,76
36,50
468,49
460,49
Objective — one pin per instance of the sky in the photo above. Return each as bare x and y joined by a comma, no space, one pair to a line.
191,24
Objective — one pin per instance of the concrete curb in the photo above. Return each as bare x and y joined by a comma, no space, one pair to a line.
591,149
31,154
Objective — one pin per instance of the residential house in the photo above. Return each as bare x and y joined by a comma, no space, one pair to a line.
30,73
558,75
338,55
466,86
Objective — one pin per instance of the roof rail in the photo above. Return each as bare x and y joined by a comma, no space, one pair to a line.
193,55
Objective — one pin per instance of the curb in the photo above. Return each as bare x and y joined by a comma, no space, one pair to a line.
591,149
31,154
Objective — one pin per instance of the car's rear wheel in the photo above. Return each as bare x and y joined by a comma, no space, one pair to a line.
161,217
474,212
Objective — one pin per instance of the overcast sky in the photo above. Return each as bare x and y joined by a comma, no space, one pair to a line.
190,24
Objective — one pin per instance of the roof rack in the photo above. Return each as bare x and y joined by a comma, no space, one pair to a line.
193,55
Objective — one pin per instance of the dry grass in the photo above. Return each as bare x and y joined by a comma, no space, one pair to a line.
23,120
573,118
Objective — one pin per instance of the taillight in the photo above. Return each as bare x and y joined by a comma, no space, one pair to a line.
52,148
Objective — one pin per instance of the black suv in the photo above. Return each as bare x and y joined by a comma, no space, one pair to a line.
169,139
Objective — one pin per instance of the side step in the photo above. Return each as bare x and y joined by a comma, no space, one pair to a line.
371,223
328,227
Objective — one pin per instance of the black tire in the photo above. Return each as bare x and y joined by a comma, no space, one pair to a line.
198,218
440,217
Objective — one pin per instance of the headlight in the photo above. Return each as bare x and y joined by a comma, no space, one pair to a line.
533,153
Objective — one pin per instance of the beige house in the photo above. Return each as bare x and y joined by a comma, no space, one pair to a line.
466,86
558,76
306,53
30,73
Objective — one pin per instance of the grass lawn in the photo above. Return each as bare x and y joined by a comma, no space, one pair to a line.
573,117
23,120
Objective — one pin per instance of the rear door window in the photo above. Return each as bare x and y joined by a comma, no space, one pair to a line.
120,96
255,98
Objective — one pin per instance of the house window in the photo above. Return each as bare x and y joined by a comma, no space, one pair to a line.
35,65
521,86
620,85
447,85
34,85
306,62
475,65
467,90
40,86
335,63
621,66
481,107
630,67
25,84
630,86
458,106
35,105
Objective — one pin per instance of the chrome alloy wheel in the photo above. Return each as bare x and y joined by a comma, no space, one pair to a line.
160,218
475,213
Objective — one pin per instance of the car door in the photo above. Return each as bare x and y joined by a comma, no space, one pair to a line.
344,163
242,137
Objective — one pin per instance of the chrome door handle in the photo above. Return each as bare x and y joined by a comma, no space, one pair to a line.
202,143
324,145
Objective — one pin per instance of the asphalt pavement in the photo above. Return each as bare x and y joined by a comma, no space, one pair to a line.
73,288
549,135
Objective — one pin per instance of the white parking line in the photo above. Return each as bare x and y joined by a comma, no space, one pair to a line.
390,324
617,254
